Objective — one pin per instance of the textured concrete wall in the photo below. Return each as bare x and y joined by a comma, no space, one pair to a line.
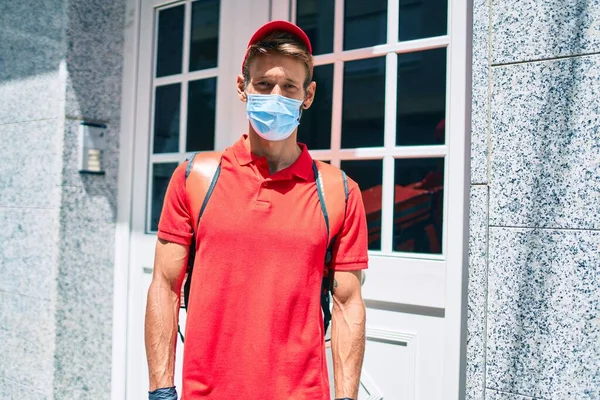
534,285
31,51
60,63
94,58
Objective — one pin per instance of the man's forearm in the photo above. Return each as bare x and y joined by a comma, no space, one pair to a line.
348,347
161,334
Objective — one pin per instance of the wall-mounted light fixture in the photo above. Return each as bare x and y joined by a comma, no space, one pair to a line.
92,143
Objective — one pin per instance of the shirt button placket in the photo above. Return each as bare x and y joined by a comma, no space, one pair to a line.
263,194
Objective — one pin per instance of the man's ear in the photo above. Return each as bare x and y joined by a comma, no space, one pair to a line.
311,90
241,88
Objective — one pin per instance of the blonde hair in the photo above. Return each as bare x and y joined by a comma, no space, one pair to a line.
282,43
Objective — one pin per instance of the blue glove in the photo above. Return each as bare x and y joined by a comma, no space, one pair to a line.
163,394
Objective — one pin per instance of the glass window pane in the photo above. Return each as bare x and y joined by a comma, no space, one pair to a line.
204,40
422,19
368,174
421,98
315,125
161,174
365,23
202,98
419,201
169,49
166,118
316,19
363,103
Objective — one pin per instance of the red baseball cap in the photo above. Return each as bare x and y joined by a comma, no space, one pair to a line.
273,26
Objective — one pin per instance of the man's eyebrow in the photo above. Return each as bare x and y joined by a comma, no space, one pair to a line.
289,80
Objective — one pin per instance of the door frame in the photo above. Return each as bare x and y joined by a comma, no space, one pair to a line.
124,200
458,179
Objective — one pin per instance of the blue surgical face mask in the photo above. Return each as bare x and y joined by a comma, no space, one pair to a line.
272,116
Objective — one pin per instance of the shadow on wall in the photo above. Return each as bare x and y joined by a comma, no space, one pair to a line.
32,39
84,39
94,66
94,63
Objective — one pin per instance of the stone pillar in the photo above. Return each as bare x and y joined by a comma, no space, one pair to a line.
60,63
534,286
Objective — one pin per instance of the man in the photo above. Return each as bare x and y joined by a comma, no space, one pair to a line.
254,327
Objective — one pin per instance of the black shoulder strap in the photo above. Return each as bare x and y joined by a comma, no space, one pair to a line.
213,183
192,254
189,166
209,192
326,285
321,194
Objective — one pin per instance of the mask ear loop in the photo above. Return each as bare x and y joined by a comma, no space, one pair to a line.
301,109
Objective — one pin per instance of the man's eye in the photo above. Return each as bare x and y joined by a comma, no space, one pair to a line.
263,83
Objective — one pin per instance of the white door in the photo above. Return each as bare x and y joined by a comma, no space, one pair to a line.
390,110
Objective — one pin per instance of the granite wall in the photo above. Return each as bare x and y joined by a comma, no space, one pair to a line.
534,284
32,48
60,63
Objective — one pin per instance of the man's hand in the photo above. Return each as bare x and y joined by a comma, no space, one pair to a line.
348,333
162,313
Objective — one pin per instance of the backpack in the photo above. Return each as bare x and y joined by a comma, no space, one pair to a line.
201,176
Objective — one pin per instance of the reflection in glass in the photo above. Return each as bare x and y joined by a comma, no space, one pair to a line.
166,118
422,19
202,96
421,98
204,40
161,174
316,19
363,103
365,23
169,47
368,174
418,210
315,124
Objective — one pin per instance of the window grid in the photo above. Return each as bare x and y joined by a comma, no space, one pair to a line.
183,79
186,77
390,151
184,85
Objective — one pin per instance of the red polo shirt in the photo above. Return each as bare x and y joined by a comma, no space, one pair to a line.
254,326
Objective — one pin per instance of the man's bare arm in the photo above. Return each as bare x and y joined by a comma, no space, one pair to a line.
162,312
347,333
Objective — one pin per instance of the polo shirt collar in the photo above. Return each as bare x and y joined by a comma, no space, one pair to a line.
241,149
302,167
